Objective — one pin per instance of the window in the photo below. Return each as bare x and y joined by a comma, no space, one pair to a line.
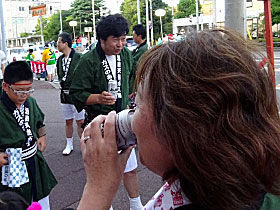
21,8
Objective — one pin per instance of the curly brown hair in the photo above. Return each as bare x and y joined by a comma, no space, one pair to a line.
217,113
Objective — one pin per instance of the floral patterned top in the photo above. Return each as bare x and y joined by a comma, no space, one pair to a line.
169,196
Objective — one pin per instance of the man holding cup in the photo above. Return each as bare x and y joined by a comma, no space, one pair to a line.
101,85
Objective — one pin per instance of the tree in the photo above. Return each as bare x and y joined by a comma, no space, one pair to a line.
24,34
81,11
186,8
51,25
275,11
44,25
129,11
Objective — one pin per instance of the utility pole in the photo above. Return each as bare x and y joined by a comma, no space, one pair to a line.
93,21
3,47
42,35
245,19
234,15
197,17
173,30
147,24
269,37
152,25
214,14
138,11
60,19
80,26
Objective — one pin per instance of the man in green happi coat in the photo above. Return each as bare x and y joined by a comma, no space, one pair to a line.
139,37
66,64
108,62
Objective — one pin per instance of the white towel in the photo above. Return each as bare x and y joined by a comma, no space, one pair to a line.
15,174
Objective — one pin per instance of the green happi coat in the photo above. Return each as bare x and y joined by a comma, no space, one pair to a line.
271,202
136,54
89,78
65,85
12,136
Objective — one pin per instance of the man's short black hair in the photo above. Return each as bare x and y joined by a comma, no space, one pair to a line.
18,71
30,50
66,37
112,25
140,30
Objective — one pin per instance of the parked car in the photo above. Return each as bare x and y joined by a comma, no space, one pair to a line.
16,54
90,47
57,53
27,46
130,44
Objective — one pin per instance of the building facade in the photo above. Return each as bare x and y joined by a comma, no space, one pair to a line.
254,15
19,21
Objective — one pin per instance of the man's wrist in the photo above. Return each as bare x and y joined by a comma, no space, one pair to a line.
94,99
41,131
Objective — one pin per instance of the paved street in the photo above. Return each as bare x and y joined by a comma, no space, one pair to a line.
69,170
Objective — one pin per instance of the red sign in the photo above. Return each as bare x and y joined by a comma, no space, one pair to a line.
39,10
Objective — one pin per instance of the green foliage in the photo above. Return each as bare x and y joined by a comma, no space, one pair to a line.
51,25
81,11
275,11
44,25
186,8
129,11
24,34
264,40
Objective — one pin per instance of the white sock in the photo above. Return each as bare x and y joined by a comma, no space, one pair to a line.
111,208
69,141
135,203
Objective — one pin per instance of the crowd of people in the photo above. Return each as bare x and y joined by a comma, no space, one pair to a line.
206,121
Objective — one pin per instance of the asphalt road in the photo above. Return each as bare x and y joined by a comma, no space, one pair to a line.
69,170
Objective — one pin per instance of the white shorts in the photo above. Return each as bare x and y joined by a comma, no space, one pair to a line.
70,112
51,69
131,162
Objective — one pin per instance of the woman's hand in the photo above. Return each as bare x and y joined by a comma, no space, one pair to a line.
3,159
103,165
41,143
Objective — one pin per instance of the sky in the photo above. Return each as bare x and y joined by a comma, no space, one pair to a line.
66,4
171,2
111,4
